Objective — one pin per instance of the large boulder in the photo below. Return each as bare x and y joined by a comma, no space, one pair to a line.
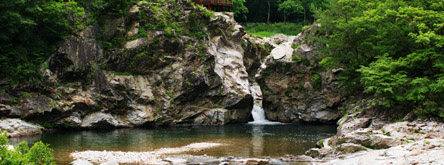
100,120
17,128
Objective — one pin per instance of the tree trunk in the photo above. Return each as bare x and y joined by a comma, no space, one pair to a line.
304,16
268,17
285,19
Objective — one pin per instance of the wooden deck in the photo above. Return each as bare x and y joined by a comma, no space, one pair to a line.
215,4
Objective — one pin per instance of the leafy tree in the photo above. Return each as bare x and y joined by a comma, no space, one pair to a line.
239,10
394,49
262,10
290,7
29,31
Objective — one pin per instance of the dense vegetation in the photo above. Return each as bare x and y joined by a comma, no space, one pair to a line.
265,18
279,10
39,153
393,49
30,30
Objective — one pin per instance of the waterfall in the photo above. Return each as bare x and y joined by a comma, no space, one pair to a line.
258,112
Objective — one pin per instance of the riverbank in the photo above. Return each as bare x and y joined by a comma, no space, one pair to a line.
363,138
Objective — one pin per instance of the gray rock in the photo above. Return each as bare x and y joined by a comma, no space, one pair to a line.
17,128
213,117
383,141
75,56
348,124
350,148
72,121
294,90
100,120
80,162
36,107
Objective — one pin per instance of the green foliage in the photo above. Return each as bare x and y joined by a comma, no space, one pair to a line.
239,10
39,153
296,58
104,8
268,30
395,49
316,81
261,10
29,32
290,7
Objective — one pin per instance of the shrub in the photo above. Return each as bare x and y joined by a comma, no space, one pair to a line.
39,153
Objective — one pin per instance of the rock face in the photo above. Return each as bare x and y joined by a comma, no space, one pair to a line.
295,88
17,128
152,77
140,71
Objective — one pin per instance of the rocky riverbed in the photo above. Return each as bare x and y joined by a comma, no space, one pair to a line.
153,157
363,138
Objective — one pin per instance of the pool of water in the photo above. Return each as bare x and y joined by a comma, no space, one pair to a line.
241,140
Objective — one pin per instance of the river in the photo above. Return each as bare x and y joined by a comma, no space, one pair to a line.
242,140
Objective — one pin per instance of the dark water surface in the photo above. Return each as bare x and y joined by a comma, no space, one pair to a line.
242,140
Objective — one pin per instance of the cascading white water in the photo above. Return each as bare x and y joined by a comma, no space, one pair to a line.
258,112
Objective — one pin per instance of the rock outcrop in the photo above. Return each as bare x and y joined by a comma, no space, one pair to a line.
294,87
192,73
199,70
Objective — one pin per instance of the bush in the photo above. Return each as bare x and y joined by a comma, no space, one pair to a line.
39,153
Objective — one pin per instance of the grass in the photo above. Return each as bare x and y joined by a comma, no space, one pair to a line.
268,30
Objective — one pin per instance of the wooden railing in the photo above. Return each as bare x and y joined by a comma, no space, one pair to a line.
215,2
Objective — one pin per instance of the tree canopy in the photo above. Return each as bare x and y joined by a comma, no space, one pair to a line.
394,49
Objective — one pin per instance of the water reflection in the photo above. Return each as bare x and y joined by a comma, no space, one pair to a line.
257,140
242,140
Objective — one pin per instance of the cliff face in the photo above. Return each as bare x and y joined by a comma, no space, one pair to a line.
294,87
186,68
191,74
